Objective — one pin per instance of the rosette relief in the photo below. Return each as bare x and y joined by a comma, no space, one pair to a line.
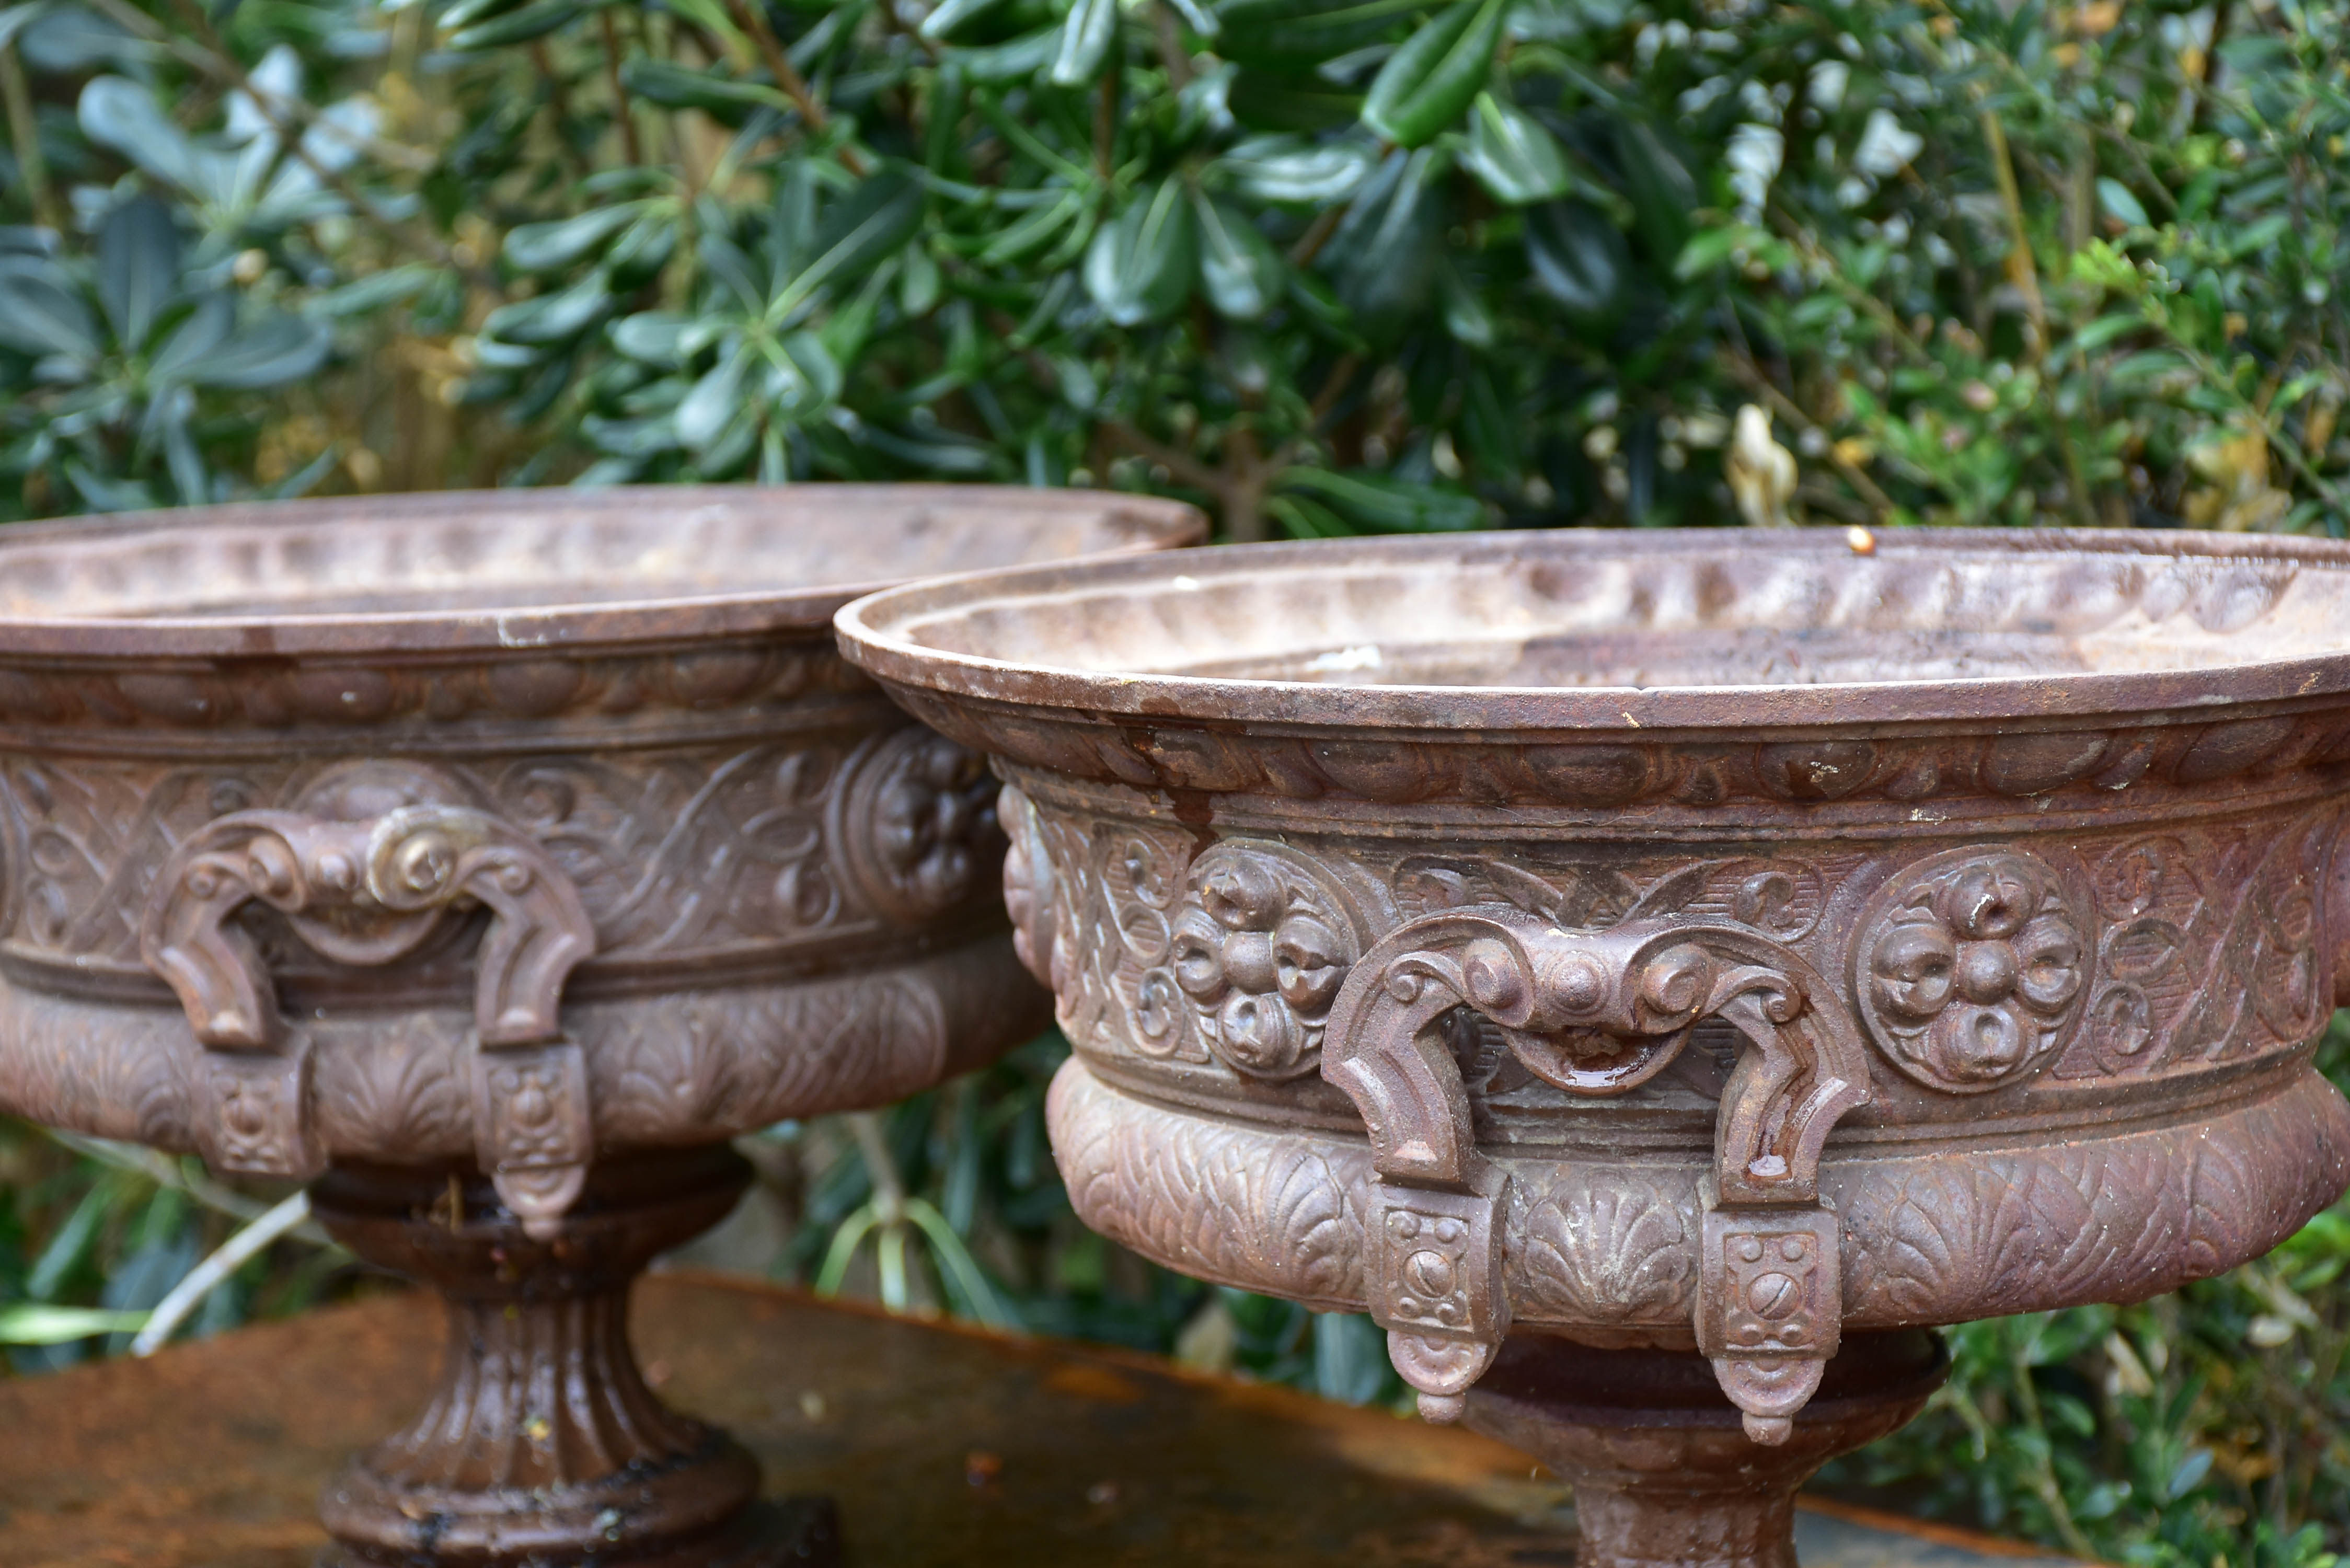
1971,968
1256,958
916,821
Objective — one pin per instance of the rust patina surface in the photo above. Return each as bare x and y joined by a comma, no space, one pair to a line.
488,860
1616,945
941,1447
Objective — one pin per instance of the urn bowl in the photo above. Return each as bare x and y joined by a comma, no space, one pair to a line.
1748,946
491,859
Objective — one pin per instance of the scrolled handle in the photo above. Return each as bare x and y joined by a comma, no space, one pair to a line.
1598,1014
368,893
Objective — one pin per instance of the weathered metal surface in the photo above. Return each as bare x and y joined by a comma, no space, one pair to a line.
1664,1473
507,833
1712,942
940,1446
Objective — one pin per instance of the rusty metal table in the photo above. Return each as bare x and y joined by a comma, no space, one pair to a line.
942,1445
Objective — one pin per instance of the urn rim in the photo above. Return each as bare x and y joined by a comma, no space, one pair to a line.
166,584
949,636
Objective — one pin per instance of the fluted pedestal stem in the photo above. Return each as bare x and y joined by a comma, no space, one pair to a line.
541,1444
1664,1475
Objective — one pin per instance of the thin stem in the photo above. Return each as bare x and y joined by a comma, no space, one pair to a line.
623,110
1335,385
880,1166
2026,278
1309,244
1180,463
180,1175
207,1276
24,132
2044,1470
2020,270
1169,35
1106,126
750,17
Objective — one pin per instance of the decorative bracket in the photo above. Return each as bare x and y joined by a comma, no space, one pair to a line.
1598,1014
368,893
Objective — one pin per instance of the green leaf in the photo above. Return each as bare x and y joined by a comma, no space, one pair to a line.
372,293
1013,60
1387,505
917,285
806,377
1388,248
272,351
2115,198
550,318
1139,265
1663,193
1086,35
1197,16
725,98
14,19
1268,100
1578,258
663,338
859,232
1513,155
1304,32
38,316
2102,331
637,256
38,1323
712,404
948,15
1240,270
137,266
552,246
121,117
195,339
1709,249
1466,315
1427,84
1289,169
532,21
465,13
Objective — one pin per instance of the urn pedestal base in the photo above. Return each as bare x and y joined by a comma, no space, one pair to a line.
541,1445
1664,1475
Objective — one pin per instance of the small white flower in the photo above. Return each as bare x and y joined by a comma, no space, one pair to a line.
1884,148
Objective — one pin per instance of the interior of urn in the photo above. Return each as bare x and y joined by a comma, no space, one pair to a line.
1620,609
529,549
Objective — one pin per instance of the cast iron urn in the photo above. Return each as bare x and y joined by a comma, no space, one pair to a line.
1659,977
488,861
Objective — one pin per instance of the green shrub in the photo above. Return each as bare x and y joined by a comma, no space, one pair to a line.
1325,265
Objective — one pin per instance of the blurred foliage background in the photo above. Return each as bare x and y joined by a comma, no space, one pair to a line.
1325,267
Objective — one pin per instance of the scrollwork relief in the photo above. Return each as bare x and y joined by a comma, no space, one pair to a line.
681,854
2208,951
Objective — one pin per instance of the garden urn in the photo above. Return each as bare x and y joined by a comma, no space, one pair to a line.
1662,976
486,861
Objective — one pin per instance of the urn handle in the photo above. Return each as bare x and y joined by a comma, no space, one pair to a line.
368,893
1598,1013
